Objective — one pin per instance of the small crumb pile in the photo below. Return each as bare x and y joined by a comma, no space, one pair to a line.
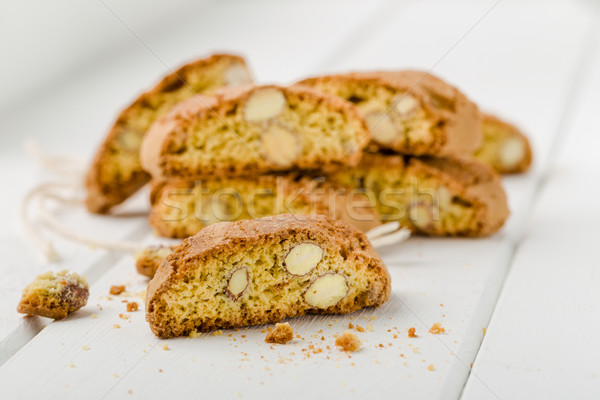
282,334
437,328
348,341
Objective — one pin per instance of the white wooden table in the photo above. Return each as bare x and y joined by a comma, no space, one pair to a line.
535,286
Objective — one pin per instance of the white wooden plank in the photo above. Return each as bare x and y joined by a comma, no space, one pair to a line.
463,275
542,339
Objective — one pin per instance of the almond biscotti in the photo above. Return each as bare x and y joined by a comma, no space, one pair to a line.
505,148
54,295
431,196
254,129
181,208
409,112
116,172
234,274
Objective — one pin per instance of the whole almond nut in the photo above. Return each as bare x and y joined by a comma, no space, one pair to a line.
405,105
382,127
280,145
237,74
327,290
238,282
303,258
264,104
512,152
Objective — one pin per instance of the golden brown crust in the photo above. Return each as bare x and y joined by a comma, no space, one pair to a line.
189,259
496,133
161,160
107,185
456,120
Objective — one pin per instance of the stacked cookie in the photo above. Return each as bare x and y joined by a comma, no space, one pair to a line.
362,147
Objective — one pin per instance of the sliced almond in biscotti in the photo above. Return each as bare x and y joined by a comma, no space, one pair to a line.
254,129
431,196
234,274
417,113
505,148
116,173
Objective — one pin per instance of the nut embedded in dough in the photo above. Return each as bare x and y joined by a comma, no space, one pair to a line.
264,104
382,127
512,152
406,105
237,74
238,282
327,290
280,145
303,258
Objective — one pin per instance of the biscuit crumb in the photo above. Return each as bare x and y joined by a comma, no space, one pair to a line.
431,367
369,328
484,331
132,306
411,333
282,334
117,289
94,316
350,326
217,333
85,348
360,328
71,365
195,334
437,328
348,341
165,346
116,326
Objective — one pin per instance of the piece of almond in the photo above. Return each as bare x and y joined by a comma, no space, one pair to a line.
327,290
264,104
280,145
405,105
237,74
238,282
382,127
303,258
512,152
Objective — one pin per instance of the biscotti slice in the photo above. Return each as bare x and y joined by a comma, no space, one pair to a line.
505,148
149,259
54,295
116,172
431,196
409,112
181,208
254,129
248,272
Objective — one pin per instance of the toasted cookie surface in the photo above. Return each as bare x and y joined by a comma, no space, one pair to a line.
54,295
409,112
431,196
116,172
249,272
254,129
505,148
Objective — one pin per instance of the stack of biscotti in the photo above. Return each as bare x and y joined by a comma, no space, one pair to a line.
251,151
419,168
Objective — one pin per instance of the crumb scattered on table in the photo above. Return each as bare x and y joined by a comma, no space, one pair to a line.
412,332
132,306
117,289
348,341
282,334
431,367
437,328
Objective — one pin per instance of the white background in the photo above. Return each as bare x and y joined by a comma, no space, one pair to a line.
68,67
